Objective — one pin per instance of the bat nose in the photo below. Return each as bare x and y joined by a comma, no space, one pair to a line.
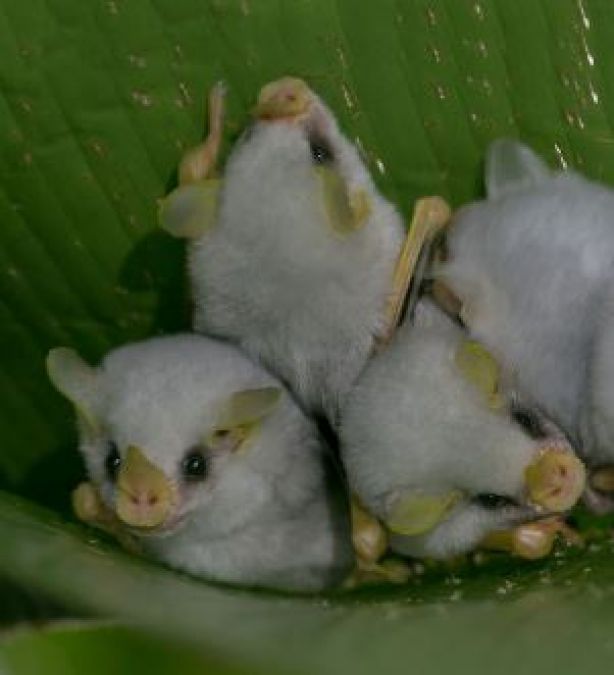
556,479
144,493
284,98
144,498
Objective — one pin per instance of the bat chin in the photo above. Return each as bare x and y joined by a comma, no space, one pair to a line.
171,524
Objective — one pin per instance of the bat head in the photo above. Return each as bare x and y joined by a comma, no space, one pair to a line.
169,428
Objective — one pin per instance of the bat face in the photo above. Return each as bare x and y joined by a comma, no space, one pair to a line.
430,447
165,428
303,169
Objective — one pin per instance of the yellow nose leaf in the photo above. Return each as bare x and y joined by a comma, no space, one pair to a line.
346,211
287,97
555,480
480,368
144,493
190,210
418,514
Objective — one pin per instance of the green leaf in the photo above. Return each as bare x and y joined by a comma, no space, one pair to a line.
487,616
97,648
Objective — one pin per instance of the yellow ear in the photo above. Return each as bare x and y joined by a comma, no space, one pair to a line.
75,379
190,210
346,210
243,411
480,367
248,407
418,513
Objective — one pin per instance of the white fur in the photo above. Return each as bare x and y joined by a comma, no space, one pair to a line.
532,263
414,423
597,420
266,514
275,278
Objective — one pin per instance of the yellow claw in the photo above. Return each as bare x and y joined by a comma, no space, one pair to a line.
285,98
531,541
602,479
392,571
88,506
145,494
556,479
368,535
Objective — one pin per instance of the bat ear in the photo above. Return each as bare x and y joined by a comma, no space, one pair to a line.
76,380
477,365
416,514
510,166
248,407
347,210
241,413
190,210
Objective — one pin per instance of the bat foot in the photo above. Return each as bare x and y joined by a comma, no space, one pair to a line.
89,508
532,541
391,571
369,537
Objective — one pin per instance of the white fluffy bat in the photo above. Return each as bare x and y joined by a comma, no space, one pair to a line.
431,450
533,266
293,252
203,458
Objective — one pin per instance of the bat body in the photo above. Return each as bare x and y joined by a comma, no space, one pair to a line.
298,262
206,460
533,266
431,450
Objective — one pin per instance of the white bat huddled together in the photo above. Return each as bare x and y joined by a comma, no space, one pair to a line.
203,458
533,269
295,261
459,432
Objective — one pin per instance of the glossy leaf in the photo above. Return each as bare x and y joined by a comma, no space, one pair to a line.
97,648
555,615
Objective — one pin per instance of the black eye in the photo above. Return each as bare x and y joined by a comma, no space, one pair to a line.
194,465
320,152
491,502
112,461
